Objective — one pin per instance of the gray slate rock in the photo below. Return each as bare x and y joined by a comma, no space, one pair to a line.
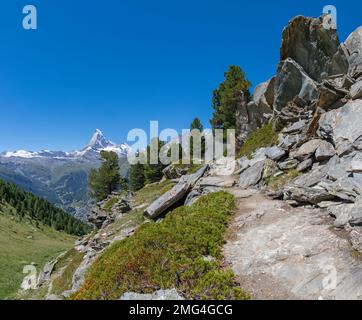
344,188
288,164
347,213
295,127
252,176
275,153
263,95
314,47
356,90
305,165
243,164
325,151
313,195
307,150
356,166
286,142
342,126
356,239
353,45
291,82
341,213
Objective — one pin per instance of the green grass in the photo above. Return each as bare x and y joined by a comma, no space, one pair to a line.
261,138
110,203
170,254
152,191
191,168
275,183
21,244
66,266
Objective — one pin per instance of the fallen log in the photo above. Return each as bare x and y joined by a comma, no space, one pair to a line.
177,193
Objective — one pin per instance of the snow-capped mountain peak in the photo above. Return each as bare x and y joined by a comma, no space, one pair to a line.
96,144
98,140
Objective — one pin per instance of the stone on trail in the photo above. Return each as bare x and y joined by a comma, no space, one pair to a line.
252,176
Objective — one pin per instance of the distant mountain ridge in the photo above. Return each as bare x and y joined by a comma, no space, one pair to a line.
58,176
96,144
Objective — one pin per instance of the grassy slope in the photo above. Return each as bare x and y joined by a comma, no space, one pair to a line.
67,265
170,254
21,244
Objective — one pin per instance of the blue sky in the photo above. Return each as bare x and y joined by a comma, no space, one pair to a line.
117,64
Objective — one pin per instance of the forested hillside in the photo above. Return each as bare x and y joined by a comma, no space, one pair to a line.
27,205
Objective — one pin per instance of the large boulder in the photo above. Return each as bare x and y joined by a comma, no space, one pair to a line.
343,126
294,90
308,149
252,176
315,48
307,195
264,95
325,151
353,44
275,153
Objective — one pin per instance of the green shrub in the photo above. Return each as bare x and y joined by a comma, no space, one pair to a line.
110,204
261,138
170,254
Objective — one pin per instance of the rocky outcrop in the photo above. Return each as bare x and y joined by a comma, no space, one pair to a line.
318,109
101,216
315,48
294,91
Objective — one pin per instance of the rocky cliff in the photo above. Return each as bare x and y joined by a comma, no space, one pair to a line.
317,109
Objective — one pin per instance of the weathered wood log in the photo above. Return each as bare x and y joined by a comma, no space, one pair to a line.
177,193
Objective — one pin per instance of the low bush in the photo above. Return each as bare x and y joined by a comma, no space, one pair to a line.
170,254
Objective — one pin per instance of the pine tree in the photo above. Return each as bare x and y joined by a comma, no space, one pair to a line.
197,125
39,211
106,179
153,172
226,97
136,177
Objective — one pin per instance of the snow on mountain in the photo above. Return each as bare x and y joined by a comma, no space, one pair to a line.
21,154
95,145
